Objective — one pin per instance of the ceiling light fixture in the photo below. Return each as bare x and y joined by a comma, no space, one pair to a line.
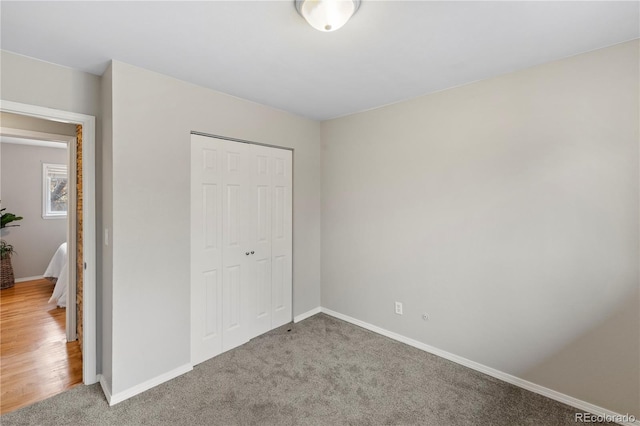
327,15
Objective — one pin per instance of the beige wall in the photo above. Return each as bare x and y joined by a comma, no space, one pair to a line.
153,116
34,82
105,298
508,210
30,81
36,239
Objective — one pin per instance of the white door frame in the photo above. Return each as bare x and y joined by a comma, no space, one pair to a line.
88,123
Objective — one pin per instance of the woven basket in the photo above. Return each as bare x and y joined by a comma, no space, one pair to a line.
7,280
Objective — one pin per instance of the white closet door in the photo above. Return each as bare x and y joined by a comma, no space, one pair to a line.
206,249
235,244
281,245
260,242
241,226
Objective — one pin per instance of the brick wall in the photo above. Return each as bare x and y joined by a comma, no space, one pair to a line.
79,256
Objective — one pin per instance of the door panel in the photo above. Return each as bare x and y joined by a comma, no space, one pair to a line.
279,212
231,297
232,215
263,289
236,328
206,254
262,214
279,283
212,307
261,171
210,211
281,245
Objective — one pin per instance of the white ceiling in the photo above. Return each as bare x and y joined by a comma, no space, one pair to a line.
265,52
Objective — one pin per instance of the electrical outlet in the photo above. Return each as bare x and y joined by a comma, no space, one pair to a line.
399,308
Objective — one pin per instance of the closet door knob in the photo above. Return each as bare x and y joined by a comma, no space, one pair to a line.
247,253
252,252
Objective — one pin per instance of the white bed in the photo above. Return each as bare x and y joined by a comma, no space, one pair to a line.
59,268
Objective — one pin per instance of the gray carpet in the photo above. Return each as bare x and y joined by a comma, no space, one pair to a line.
322,372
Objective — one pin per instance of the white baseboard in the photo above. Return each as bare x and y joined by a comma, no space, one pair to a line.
135,390
106,389
35,277
307,314
541,390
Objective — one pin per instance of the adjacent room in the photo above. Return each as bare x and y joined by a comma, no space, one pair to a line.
335,211
38,342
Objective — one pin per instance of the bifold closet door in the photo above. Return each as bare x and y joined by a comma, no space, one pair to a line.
236,325
219,236
206,249
270,260
241,225
281,238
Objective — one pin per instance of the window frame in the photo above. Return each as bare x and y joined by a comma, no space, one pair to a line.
49,169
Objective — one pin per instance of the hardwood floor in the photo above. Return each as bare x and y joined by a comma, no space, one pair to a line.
36,360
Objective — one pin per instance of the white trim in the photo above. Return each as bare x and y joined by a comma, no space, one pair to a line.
307,314
31,136
144,386
106,389
71,316
35,277
88,122
32,142
541,390
89,292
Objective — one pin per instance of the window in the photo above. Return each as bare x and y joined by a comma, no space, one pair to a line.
54,191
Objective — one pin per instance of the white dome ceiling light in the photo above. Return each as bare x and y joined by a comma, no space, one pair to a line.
327,15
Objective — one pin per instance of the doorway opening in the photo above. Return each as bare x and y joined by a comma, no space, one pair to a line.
62,307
